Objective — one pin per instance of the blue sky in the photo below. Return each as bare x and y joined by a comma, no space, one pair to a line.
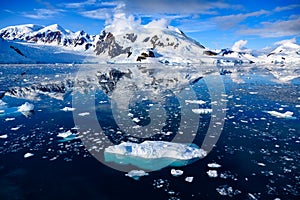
215,24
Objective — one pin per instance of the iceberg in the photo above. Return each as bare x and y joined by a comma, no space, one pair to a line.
212,173
66,109
66,136
27,155
214,165
2,103
189,179
26,107
136,174
202,111
176,172
287,114
153,155
3,136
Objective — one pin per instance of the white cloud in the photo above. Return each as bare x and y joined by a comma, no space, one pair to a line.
174,7
230,21
101,13
239,45
80,4
289,7
162,23
278,28
293,40
42,13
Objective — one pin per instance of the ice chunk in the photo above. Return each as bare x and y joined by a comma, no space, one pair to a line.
84,114
212,173
200,102
3,136
136,120
10,119
15,128
136,174
176,172
26,107
189,179
226,190
202,111
214,165
66,109
287,114
153,155
2,103
65,134
27,155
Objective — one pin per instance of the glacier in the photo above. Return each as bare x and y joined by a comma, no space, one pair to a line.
153,155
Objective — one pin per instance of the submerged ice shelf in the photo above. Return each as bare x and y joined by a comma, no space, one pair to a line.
153,155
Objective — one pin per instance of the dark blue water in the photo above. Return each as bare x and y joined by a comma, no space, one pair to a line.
258,153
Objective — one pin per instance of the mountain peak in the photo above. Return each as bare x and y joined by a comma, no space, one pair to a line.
54,28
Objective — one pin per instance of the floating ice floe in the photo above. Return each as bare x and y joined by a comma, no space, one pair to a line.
15,128
176,172
10,119
212,173
189,179
287,114
2,103
26,107
226,190
27,155
67,136
84,114
200,102
66,109
136,174
3,136
214,165
202,110
153,155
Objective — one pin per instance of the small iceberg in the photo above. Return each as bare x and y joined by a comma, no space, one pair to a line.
68,109
27,155
200,102
26,107
2,103
3,136
202,111
189,179
153,155
214,165
176,172
212,173
67,136
287,114
136,174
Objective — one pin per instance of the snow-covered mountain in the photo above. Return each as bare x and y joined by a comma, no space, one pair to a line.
287,51
166,44
149,43
50,35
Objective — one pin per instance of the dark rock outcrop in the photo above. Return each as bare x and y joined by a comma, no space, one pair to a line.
107,43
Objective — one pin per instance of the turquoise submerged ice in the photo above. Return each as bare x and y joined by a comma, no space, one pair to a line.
153,155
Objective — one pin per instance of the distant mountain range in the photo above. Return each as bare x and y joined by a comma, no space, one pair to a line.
31,43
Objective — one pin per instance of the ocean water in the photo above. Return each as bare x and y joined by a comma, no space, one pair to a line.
257,151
